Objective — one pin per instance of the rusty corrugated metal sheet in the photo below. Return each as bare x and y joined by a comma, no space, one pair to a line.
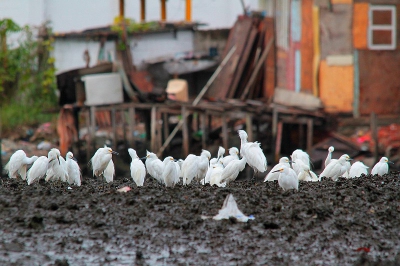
379,82
360,25
307,47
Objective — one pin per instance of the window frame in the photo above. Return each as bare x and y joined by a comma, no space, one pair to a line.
392,27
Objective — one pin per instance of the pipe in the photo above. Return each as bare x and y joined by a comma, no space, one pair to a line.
163,11
188,10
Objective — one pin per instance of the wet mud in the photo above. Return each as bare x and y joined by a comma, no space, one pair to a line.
349,222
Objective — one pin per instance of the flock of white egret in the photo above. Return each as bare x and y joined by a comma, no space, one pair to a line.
219,171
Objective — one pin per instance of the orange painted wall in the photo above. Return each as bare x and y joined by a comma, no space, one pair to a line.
306,45
336,87
341,1
360,25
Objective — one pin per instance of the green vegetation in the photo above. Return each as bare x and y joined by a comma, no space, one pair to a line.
27,75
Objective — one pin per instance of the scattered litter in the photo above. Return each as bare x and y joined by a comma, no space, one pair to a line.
124,189
69,188
44,145
230,209
365,249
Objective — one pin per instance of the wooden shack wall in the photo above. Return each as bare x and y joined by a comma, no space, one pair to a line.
307,47
336,87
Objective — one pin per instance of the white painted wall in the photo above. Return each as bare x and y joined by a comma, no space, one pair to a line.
75,15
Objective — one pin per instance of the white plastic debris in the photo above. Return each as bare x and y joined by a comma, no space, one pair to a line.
230,209
69,188
124,189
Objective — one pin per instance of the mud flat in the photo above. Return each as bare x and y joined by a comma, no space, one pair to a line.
349,222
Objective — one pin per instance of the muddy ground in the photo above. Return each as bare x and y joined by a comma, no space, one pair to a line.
348,222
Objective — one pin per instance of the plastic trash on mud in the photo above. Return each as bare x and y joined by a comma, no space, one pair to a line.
124,189
230,209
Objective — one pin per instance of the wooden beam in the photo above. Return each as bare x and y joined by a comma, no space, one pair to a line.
114,128
257,68
310,134
224,132
249,126
121,8
165,127
203,130
131,123
374,131
153,126
142,10
188,10
185,133
278,142
163,10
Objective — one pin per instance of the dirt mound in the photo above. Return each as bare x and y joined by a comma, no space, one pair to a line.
348,222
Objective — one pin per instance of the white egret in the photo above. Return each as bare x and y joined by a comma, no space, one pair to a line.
74,172
101,161
233,155
138,171
306,174
38,169
216,176
357,169
287,179
213,162
231,172
18,163
195,166
109,172
154,166
299,155
381,168
272,175
329,157
253,153
336,168
221,152
57,168
170,173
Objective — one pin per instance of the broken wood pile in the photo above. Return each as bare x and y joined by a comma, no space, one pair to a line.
250,71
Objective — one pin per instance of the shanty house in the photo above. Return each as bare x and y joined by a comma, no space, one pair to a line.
346,52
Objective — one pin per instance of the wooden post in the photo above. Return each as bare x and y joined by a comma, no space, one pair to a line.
278,142
185,133
89,139
188,10
165,127
92,127
153,121
224,132
114,128
122,8
310,133
163,10
249,127
374,131
274,128
301,136
203,130
142,10
123,122
131,123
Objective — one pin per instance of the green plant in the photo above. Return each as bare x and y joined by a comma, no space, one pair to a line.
27,74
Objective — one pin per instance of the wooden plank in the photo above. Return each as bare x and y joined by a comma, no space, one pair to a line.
307,46
114,128
249,126
310,134
153,128
317,51
185,133
224,131
374,133
238,36
278,142
270,67
165,127
360,25
203,130
131,123
242,62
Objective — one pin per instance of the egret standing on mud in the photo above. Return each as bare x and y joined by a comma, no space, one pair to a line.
154,166
38,169
336,168
287,179
195,166
329,157
231,172
170,172
253,153
74,172
138,171
57,168
233,155
358,169
381,168
299,155
101,161
273,175
18,163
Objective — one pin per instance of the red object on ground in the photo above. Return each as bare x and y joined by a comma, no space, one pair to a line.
363,249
